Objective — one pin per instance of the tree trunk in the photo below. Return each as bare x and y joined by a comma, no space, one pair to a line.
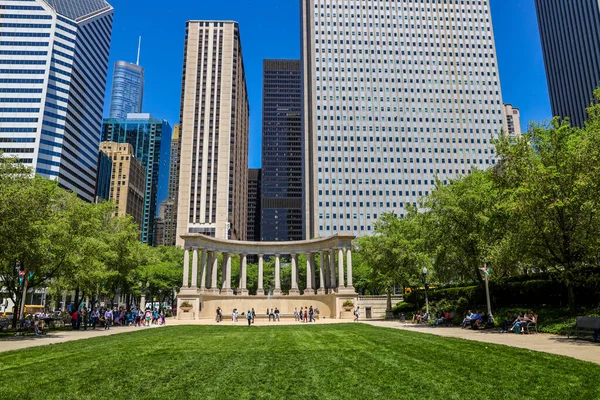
571,295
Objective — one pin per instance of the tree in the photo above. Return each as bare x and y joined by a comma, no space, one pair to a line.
467,221
552,175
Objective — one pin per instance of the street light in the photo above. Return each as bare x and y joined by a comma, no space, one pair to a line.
426,287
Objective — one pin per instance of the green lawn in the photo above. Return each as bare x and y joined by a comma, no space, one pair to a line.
349,361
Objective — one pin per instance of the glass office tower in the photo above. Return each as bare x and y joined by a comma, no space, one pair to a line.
127,90
282,186
146,135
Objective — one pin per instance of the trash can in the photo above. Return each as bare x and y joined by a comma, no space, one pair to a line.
402,317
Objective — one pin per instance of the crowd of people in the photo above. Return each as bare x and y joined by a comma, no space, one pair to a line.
83,318
304,314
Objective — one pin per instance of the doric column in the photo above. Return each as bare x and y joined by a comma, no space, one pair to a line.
326,269
294,290
309,275
227,275
194,268
349,282
203,270
341,268
214,273
243,275
313,272
260,291
277,291
331,264
186,269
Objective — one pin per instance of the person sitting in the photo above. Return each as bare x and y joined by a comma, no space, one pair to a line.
448,317
440,319
477,320
517,322
510,319
467,321
417,317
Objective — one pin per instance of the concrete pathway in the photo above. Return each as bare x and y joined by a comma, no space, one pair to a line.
554,344
53,337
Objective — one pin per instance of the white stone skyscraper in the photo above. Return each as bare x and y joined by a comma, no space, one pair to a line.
213,166
53,65
396,93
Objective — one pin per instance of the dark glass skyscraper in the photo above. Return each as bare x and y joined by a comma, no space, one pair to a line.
570,33
281,191
146,135
253,227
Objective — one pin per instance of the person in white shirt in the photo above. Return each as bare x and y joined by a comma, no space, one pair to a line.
108,316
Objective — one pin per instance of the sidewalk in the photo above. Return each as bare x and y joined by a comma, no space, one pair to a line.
54,337
553,344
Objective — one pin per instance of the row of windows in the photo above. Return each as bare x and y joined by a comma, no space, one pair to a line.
24,34
17,130
19,110
19,100
22,53
18,120
23,16
33,26
32,44
23,62
17,140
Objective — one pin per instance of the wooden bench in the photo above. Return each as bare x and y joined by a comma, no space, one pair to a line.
585,326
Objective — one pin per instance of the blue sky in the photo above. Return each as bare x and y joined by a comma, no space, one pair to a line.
270,29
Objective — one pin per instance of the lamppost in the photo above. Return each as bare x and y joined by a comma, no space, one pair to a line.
426,287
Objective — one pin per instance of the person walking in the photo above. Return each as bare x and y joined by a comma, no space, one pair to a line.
311,314
305,316
356,314
108,317
253,315
95,316
249,317
74,320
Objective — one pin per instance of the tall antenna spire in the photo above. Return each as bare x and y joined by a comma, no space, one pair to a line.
139,49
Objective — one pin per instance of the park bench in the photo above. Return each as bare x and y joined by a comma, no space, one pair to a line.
531,326
585,326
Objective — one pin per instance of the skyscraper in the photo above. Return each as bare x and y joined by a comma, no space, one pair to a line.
167,210
570,33
282,188
53,65
254,188
146,135
396,93
127,90
128,181
213,178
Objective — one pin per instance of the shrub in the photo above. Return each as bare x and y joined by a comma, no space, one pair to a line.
348,303
186,304
403,307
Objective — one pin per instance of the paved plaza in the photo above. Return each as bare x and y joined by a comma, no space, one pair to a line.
553,344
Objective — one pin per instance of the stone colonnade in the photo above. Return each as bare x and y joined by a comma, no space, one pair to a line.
202,255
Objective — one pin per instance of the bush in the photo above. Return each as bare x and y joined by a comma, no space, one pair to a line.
403,307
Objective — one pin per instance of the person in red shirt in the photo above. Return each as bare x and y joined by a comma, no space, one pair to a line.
74,319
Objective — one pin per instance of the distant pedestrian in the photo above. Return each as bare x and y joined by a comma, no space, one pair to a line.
74,320
249,317
356,314
95,316
108,317
253,315
271,315
276,314
305,316
311,313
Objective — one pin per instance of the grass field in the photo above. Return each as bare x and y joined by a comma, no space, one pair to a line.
347,361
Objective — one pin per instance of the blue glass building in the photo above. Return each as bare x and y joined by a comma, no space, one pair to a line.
127,90
146,135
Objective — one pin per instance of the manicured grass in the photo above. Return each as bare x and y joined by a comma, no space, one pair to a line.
349,361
